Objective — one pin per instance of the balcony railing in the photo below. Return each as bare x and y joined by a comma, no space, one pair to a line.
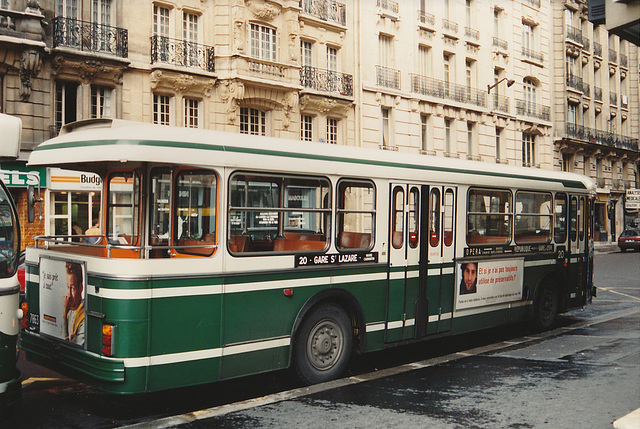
613,55
471,33
533,110
501,44
586,89
574,34
534,3
448,25
602,137
389,5
326,10
182,53
389,78
500,103
574,82
533,55
623,60
326,80
597,49
90,36
426,18
597,93
585,43
447,90
613,98
624,101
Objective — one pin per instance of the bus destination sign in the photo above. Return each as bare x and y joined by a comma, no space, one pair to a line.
336,259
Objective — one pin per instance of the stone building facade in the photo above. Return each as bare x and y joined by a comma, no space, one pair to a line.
482,80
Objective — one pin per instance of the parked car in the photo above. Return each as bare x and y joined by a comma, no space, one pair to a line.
629,239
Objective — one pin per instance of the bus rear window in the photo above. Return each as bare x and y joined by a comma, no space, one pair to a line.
489,217
533,217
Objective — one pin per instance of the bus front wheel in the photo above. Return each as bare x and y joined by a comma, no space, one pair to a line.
547,306
323,345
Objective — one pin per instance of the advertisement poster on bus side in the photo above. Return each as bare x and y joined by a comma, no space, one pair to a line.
489,282
62,300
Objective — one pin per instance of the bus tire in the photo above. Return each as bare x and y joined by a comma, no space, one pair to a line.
323,345
546,306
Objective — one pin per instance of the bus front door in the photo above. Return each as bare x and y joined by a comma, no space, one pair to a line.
403,283
438,252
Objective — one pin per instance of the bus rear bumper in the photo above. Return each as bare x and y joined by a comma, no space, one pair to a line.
72,361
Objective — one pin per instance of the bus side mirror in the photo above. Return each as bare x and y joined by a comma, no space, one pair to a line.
31,202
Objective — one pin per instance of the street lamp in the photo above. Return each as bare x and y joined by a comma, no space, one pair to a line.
509,83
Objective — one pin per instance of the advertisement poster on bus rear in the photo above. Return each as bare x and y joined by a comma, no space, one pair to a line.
489,282
62,300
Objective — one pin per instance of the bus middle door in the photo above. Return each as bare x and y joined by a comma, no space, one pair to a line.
404,270
439,247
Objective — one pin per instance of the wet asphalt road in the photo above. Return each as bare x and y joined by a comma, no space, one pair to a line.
584,374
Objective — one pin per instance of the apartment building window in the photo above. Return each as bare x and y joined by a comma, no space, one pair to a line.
424,65
332,130
161,21
447,9
100,102
67,8
190,37
191,112
529,94
424,132
263,42
161,109
498,144
497,22
386,127
66,103
306,128
527,38
447,136
566,162
253,121
469,13
1,94
306,53
470,139
332,59
572,116
528,150
385,44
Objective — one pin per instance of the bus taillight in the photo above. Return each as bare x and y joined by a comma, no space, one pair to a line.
108,339
24,322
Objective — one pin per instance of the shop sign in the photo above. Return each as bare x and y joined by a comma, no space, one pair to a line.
68,180
17,175
632,201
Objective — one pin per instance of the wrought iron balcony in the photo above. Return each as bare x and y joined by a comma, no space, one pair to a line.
448,25
623,60
585,43
597,93
613,98
574,34
326,80
426,18
586,89
533,55
90,36
501,44
597,49
387,77
447,90
500,103
472,33
533,110
534,3
574,82
326,10
613,55
604,138
389,5
182,53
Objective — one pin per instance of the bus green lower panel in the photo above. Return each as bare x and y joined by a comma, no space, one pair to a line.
187,373
256,362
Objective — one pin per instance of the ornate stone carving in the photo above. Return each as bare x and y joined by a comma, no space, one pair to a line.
289,103
264,10
181,83
325,105
230,92
30,65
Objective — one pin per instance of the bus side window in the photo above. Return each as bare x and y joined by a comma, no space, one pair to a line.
533,217
434,218
355,215
489,217
194,227
560,219
573,219
397,230
448,217
123,208
581,224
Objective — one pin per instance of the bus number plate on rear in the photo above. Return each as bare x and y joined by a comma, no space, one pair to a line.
336,259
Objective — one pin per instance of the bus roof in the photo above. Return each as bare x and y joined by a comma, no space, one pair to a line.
97,144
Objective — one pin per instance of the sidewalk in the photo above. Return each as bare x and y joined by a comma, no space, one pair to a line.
604,247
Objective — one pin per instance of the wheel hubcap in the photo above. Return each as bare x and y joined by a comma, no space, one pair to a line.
324,346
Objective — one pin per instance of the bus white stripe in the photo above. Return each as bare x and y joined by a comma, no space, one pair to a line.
206,354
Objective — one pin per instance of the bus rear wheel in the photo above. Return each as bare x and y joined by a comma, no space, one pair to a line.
323,345
547,306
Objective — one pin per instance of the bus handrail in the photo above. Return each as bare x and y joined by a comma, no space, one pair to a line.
67,240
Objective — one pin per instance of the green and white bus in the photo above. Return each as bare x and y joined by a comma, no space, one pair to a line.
221,255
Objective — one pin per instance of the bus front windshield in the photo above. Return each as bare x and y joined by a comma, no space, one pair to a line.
9,235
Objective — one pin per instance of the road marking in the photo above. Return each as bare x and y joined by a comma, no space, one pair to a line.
32,380
635,298
273,398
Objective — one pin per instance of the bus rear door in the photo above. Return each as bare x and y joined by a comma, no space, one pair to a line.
404,258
